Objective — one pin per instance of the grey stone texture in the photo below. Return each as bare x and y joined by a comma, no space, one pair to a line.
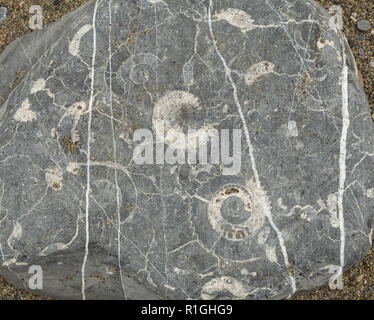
73,201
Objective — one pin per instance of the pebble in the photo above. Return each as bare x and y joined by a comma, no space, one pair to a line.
360,277
3,12
364,25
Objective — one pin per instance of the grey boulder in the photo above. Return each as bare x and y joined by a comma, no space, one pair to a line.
75,203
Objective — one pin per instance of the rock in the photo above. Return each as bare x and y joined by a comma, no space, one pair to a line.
364,25
290,211
360,278
3,13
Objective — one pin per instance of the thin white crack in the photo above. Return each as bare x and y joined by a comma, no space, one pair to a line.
265,205
25,52
336,280
87,224
294,47
342,162
161,178
115,153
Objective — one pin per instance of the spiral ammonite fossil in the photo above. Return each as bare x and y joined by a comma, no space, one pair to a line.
168,114
138,69
228,218
235,213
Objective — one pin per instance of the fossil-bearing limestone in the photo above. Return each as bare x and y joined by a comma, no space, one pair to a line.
73,201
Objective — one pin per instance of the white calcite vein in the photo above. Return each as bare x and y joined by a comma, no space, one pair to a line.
264,201
115,154
90,105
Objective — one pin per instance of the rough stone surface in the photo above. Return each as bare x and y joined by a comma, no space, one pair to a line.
298,213
364,25
3,13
